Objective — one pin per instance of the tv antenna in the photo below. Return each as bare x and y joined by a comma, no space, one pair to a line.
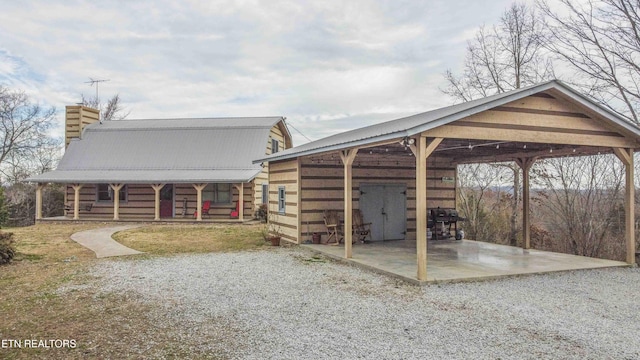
97,83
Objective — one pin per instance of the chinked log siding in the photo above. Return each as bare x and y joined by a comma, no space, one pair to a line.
285,174
322,185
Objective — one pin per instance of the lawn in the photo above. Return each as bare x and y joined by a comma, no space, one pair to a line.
47,292
175,238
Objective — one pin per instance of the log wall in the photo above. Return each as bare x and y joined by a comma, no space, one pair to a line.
263,177
140,204
285,173
322,185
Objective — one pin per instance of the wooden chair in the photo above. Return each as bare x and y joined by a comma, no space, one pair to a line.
361,230
332,222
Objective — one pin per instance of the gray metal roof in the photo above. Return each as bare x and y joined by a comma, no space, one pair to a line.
167,150
416,124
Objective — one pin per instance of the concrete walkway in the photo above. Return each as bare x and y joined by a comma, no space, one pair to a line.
101,242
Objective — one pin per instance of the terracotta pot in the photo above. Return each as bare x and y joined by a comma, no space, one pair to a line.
275,240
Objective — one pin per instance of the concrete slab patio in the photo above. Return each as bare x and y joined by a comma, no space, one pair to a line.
101,242
459,260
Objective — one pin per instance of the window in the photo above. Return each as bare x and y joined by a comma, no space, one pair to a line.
104,193
281,199
217,193
275,146
265,193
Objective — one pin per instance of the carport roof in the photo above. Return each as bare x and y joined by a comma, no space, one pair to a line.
418,123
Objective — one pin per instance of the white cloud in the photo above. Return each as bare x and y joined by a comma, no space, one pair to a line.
328,66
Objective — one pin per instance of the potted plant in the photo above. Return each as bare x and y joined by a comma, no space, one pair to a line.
271,231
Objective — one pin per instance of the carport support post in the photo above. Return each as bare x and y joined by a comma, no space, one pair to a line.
116,200
422,150
199,188
156,189
39,187
525,164
347,157
76,200
240,201
626,157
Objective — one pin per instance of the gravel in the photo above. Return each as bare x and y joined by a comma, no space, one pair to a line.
286,304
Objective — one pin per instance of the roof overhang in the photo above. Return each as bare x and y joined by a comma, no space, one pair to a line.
146,176
416,124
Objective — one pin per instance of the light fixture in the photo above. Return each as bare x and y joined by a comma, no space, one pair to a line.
525,146
370,152
574,149
550,150
407,141
498,146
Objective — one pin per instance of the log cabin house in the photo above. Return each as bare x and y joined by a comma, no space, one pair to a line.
395,171
164,169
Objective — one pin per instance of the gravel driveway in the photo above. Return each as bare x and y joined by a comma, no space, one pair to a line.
284,304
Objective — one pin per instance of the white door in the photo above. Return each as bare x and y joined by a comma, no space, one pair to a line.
384,206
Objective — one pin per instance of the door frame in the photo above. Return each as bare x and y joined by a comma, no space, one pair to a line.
173,200
403,185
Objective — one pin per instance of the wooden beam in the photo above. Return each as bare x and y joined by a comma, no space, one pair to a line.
39,187
240,201
532,136
348,156
525,164
626,157
421,206
156,189
116,199
199,188
76,200
539,154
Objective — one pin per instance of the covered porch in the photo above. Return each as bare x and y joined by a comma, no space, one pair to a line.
453,261
421,153
166,202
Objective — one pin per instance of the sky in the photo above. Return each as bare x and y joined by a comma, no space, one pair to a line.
327,66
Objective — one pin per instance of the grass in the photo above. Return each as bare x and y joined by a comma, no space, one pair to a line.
175,239
47,292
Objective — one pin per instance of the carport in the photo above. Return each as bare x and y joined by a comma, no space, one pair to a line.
525,125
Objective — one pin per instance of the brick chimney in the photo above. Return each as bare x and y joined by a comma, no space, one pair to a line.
76,118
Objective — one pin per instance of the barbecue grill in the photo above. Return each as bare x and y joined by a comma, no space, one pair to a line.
440,222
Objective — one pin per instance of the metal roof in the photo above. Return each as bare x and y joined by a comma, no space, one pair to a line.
415,124
167,150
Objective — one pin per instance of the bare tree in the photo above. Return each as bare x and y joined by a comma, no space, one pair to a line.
582,204
113,109
600,41
506,57
483,202
24,125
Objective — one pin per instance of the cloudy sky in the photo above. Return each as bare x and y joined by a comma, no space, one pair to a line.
326,65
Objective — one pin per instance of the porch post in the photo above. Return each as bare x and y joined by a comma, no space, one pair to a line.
626,157
39,187
116,200
76,200
156,189
525,164
347,157
199,188
422,150
240,189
